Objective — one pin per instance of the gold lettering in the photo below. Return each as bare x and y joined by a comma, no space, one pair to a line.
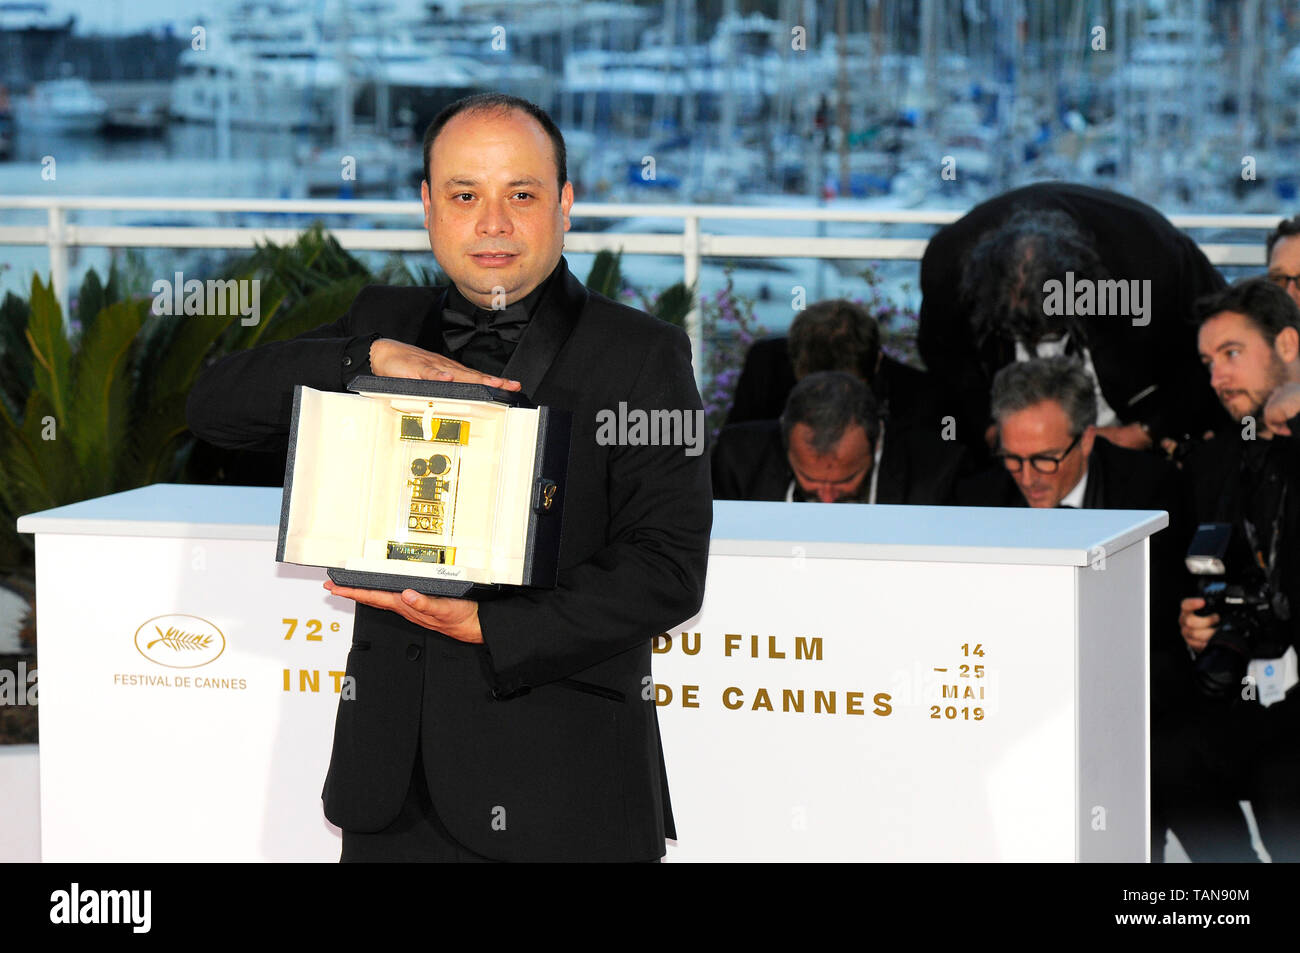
308,678
824,698
726,692
809,649
853,703
791,698
666,698
286,680
761,699
688,696
771,648
883,707
732,644
661,643
338,681
686,643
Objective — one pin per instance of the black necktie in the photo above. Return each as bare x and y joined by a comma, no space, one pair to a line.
486,339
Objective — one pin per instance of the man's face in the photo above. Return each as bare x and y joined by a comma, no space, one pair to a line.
491,205
1284,262
1043,430
839,476
1244,368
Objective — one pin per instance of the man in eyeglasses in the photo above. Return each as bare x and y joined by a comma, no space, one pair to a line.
1283,247
1051,455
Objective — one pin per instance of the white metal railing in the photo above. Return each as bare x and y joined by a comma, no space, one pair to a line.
692,244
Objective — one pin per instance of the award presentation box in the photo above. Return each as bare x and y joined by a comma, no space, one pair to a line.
440,487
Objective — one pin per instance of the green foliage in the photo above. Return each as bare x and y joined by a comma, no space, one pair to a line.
397,271
68,443
15,355
672,304
606,274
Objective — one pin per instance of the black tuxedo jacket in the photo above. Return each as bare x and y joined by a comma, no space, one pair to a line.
1123,479
1150,374
767,377
750,463
542,743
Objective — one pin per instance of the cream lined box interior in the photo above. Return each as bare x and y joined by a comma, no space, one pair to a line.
417,486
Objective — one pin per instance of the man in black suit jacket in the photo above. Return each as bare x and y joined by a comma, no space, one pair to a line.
983,286
521,727
824,449
1051,456
1243,746
832,335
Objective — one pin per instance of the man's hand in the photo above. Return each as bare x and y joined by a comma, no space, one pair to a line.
1197,630
1283,404
1128,435
455,618
389,358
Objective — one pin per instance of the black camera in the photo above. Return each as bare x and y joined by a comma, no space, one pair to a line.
1235,586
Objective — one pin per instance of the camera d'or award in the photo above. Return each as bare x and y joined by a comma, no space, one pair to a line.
444,488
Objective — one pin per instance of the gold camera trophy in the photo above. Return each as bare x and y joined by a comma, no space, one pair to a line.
435,486
426,524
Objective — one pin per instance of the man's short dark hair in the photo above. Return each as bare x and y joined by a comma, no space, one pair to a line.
1285,229
1004,274
835,335
829,402
1023,384
1265,304
499,102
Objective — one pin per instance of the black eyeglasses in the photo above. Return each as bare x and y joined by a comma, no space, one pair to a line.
1039,461
1283,281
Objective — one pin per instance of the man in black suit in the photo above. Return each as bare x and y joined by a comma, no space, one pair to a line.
521,727
829,447
1244,746
831,335
986,302
1050,455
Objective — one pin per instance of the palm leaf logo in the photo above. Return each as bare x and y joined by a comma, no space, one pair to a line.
179,641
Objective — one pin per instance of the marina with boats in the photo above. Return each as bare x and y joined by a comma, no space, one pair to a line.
930,104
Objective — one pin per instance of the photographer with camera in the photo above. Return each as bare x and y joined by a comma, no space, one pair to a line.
1241,739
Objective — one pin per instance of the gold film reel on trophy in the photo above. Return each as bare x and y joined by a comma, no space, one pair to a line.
434,478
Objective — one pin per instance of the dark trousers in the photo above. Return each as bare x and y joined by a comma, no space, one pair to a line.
1219,754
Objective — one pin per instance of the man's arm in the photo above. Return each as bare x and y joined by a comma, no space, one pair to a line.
649,576
244,401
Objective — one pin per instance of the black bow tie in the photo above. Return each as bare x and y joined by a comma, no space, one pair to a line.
508,324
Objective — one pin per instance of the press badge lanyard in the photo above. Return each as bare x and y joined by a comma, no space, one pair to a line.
1252,536
1274,677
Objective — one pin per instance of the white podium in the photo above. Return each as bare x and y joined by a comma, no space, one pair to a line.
864,682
